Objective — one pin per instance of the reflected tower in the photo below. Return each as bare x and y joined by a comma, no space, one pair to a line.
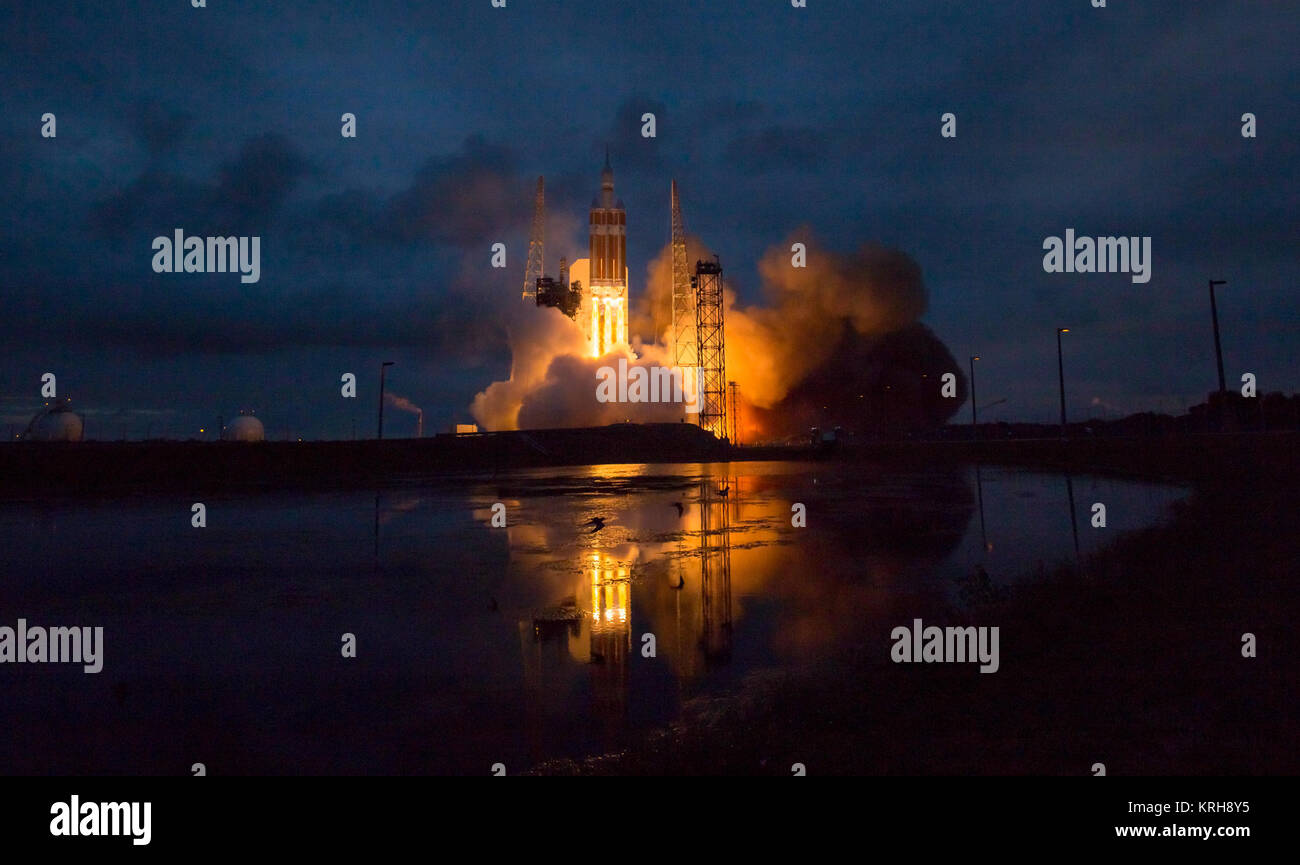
715,572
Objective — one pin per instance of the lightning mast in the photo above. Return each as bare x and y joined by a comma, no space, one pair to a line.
685,350
536,240
734,412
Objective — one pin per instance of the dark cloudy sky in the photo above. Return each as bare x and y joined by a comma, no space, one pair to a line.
225,120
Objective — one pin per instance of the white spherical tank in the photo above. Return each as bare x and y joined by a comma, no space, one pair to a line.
244,428
57,425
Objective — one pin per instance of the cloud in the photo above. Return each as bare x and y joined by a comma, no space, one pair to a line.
775,148
256,183
628,148
465,199
159,127
243,196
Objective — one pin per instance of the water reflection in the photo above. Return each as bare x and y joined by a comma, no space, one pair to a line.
518,643
593,624
715,569
979,489
1074,519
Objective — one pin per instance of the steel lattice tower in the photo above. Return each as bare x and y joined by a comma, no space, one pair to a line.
533,270
685,350
712,346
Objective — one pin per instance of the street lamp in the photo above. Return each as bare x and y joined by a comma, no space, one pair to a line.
1060,374
1214,314
974,417
383,369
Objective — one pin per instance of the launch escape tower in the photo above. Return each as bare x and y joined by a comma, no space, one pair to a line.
711,340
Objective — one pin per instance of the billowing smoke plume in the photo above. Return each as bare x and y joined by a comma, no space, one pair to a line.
772,348
836,342
870,384
553,382
652,309
537,337
567,396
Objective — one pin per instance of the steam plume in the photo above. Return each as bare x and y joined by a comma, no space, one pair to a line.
401,402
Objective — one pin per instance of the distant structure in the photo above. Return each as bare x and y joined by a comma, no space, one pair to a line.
712,346
682,334
244,428
535,267
54,423
461,429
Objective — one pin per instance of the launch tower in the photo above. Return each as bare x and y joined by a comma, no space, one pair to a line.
712,346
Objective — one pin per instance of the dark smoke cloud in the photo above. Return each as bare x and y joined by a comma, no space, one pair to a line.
772,347
887,383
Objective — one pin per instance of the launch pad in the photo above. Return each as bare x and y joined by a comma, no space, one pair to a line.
593,292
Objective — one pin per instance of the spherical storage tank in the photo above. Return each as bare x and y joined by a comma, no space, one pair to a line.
244,428
59,424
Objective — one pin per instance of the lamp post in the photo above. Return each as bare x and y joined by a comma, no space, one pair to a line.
1060,374
383,369
1218,350
974,416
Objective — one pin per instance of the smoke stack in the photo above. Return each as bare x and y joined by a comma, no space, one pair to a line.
401,402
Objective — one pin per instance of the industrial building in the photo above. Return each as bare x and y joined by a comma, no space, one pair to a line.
244,428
